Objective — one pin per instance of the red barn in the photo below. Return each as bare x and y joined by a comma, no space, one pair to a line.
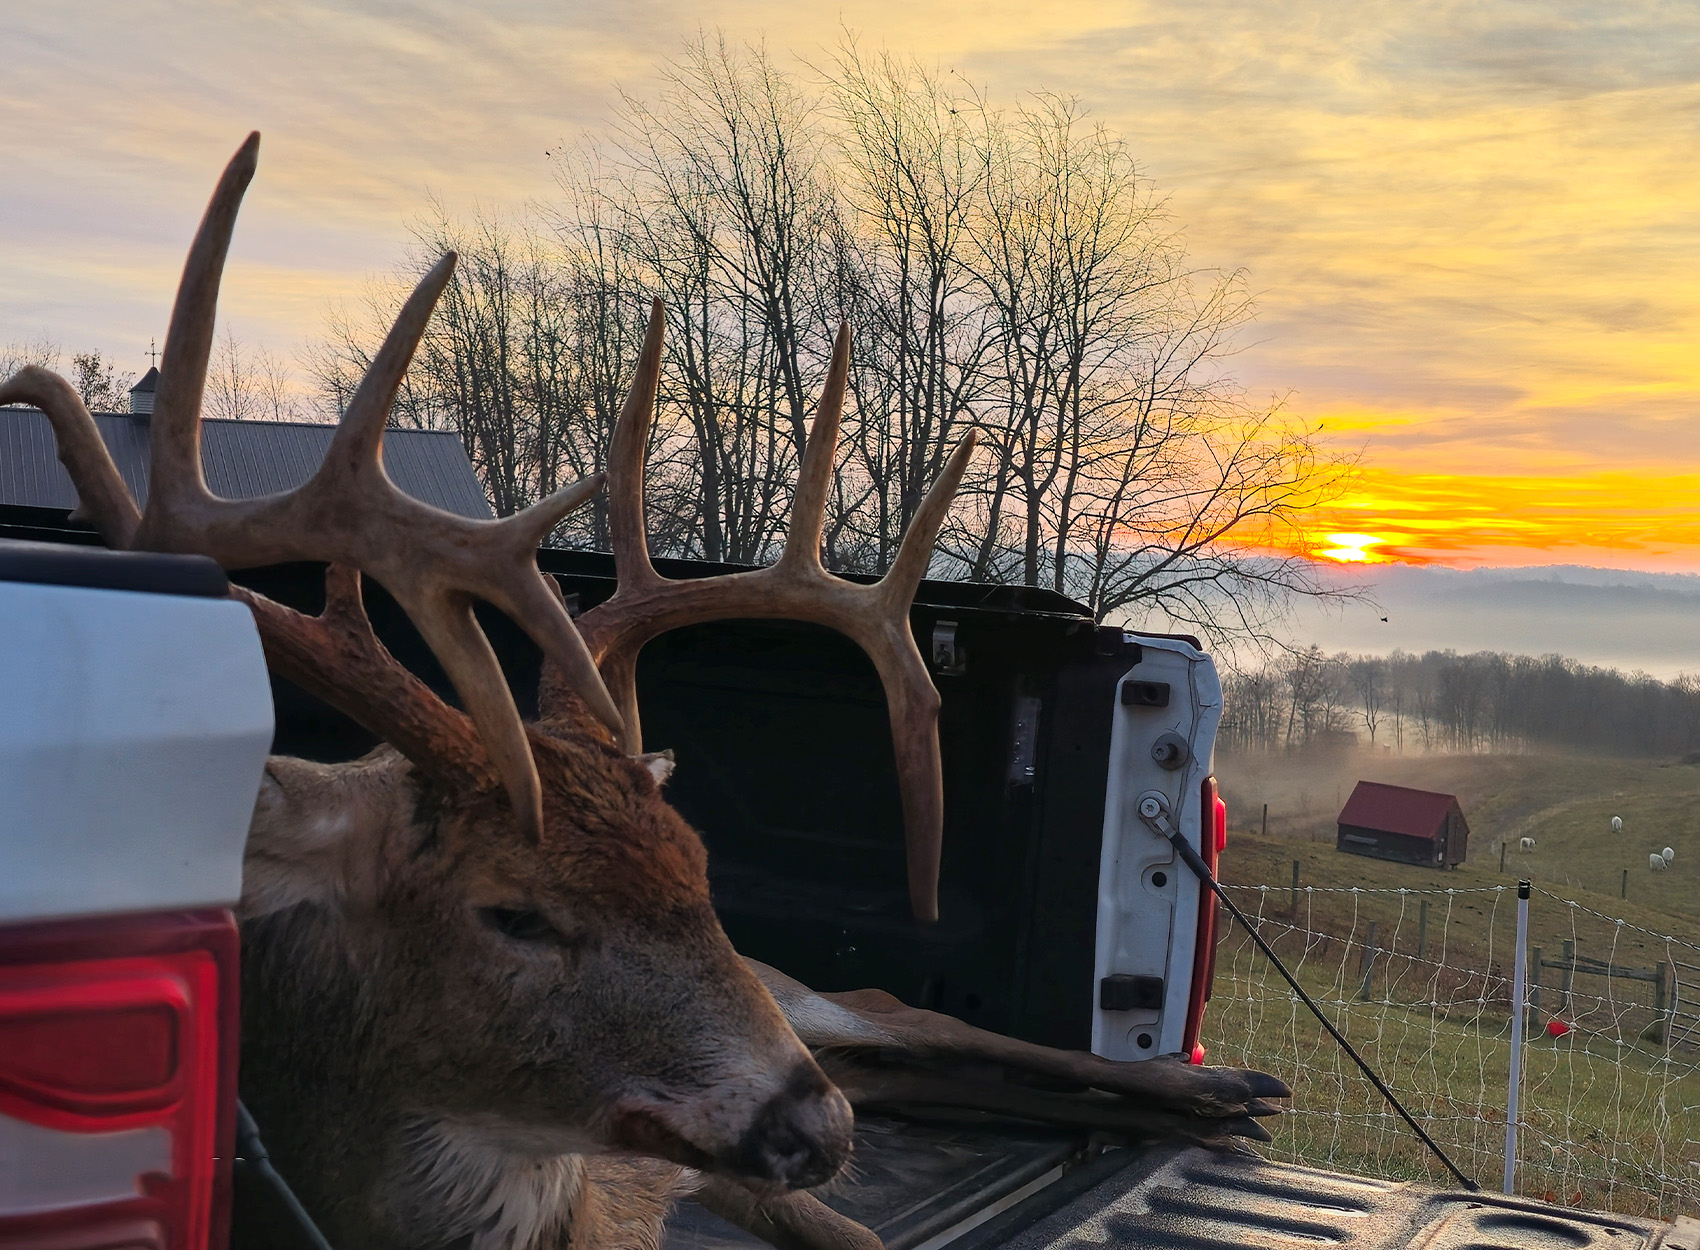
1398,823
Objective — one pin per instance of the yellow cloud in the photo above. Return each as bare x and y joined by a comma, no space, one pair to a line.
1612,518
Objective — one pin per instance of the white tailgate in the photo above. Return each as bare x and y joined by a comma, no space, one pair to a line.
1147,899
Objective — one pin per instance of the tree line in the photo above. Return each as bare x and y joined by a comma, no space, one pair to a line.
1006,271
1442,701
245,382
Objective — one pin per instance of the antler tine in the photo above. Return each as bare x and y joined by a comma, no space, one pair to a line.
535,602
102,497
533,525
796,588
911,697
626,453
915,552
174,479
814,478
357,447
319,653
349,513
452,633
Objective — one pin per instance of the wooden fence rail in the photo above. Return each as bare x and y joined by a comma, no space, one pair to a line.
1670,993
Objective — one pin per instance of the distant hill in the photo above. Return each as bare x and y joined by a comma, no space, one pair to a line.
1610,617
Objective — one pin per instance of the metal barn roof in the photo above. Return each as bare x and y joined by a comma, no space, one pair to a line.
240,458
1397,809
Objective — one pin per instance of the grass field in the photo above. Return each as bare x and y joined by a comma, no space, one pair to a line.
1605,1125
1611,1109
1564,802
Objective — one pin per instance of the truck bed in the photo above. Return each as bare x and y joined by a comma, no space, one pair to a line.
927,1186
910,1182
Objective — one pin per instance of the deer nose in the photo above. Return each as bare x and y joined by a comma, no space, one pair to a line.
802,1136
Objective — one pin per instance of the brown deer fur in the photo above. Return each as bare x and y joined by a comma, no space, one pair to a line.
422,1076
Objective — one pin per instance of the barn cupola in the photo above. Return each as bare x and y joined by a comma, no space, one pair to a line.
141,394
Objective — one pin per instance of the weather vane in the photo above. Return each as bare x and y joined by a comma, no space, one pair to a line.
153,355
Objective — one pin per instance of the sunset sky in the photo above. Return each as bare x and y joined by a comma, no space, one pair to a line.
1473,229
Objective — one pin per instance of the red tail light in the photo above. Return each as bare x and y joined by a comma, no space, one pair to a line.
118,1082
1213,840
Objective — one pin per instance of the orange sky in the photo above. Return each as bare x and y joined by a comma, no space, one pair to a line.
1473,229
1614,518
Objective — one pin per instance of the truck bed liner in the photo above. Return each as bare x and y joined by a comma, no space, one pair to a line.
1190,1198
976,1187
910,1182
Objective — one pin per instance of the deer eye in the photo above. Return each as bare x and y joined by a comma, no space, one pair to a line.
520,925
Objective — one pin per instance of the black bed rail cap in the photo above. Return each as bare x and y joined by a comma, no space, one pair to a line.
96,568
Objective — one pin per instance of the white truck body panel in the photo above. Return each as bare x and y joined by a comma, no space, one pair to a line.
1147,898
133,731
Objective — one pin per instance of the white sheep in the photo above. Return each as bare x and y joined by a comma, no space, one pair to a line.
1669,855
1617,824
1657,862
1526,845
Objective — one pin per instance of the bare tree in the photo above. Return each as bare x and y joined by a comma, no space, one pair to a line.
1253,709
1304,677
1035,288
526,360
102,387
248,383
1010,272
913,156
725,209
1366,676
42,351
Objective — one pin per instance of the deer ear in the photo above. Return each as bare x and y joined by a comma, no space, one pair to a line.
660,765
316,834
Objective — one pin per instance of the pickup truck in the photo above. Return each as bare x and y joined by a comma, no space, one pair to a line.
135,714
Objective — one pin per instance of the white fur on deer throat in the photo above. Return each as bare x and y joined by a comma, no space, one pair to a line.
510,1187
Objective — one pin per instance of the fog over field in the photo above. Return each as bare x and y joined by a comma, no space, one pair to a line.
1609,617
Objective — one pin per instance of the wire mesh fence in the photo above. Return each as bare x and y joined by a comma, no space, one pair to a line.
1420,981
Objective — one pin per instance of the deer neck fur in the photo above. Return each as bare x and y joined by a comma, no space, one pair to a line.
339,1126
362,1066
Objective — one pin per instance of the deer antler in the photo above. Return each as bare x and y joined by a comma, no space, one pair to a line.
797,587
434,563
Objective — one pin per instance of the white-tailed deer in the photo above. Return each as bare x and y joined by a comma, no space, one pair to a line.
486,1000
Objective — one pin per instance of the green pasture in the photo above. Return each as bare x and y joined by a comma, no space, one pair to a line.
1605,1126
1612,1108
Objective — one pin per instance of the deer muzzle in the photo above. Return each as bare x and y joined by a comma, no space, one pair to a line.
799,1138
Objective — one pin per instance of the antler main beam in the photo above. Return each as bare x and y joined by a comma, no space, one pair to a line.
797,587
434,563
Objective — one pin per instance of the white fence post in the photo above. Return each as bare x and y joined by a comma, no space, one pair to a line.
1519,1010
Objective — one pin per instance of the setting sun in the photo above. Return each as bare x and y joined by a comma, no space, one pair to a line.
1353,548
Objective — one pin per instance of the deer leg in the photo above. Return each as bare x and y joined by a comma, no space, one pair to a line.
874,1021
791,1221
896,1089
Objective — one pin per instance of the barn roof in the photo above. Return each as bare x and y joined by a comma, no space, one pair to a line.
241,459
1396,809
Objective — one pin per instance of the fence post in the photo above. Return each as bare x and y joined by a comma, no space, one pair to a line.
1368,963
1266,823
1624,893
1535,982
1519,986
1502,854
1568,981
1295,887
1659,989
1422,929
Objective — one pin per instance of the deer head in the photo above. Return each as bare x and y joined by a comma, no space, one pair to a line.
487,932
